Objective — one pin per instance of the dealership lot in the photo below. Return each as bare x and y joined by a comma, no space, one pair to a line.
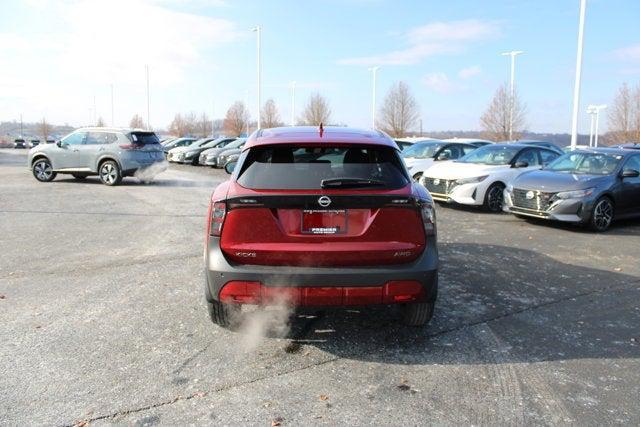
103,319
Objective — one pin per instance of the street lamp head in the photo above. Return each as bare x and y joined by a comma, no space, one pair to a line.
376,68
512,53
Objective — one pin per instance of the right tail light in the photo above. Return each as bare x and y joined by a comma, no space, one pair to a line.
428,218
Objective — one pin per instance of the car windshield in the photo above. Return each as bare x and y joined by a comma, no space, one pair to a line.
314,167
491,155
422,150
586,163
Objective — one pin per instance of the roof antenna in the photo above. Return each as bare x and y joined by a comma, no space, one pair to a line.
321,130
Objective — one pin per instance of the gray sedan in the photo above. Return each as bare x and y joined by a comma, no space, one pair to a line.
210,156
591,187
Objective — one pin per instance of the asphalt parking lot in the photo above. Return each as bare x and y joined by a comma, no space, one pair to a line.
103,320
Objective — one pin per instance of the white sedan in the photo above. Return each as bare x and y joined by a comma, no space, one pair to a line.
480,177
424,154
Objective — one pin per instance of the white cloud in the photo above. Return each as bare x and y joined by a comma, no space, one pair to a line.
469,72
439,82
432,39
628,53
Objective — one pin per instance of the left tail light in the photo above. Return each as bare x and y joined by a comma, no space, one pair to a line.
217,213
428,218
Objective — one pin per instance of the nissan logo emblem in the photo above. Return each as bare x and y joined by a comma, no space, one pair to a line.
324,201
436,181
529,195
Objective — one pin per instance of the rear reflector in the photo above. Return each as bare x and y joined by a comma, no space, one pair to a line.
395,292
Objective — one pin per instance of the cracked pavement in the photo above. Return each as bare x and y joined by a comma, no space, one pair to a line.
103,320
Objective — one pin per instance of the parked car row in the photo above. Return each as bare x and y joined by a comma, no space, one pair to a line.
214,152
535,179
33,142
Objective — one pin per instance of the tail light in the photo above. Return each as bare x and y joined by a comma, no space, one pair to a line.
131,146
428,218
217,212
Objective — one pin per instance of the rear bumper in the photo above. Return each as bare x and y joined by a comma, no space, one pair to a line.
220,271
130,166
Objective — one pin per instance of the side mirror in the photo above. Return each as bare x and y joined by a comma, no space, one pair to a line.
443,156
521,164
230,167
630,173
59,144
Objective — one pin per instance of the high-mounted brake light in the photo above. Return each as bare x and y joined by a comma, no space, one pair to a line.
217,212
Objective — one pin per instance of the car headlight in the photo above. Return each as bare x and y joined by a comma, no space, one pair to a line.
423,181
190,154
509,188
577,194
471,180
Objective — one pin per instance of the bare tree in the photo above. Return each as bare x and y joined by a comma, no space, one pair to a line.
236,119
44,129
270,115
100,123
495,120
136,122
624,116
204,125
400,110
191,124
317,111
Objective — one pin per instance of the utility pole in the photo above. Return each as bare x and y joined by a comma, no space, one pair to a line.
293,103
513,55
374,71
576,89
257,29
21,130
246,102
95,113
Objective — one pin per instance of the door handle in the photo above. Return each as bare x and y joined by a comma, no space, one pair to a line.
75,150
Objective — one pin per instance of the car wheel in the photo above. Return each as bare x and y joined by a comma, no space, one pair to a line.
76,176
110,173
225,315
494,198
417,314
602,215
43,171
417,176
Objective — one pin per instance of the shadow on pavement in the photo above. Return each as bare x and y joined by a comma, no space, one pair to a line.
524,306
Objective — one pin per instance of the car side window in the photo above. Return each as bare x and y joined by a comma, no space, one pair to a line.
633,163
530,156
548,156
467,149
75,138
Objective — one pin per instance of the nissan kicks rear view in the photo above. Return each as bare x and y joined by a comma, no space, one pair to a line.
317,218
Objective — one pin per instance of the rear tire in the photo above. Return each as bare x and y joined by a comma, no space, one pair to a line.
43,171
494,198
418,314
110,173
225,315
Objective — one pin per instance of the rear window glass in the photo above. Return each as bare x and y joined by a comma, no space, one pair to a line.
144,138
305,168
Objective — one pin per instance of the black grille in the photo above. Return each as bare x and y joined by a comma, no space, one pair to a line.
443,186
539,202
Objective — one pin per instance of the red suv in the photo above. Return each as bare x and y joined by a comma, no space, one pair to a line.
314,217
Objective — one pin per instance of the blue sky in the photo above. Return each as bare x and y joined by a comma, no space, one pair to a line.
56,56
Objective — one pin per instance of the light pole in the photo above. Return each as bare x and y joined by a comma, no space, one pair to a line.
596,109
148,109
513,55
592,112
576,89
374,71
95,112
257,30
112,116
293,103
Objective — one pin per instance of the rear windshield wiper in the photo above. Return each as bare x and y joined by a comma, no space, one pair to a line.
350,182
